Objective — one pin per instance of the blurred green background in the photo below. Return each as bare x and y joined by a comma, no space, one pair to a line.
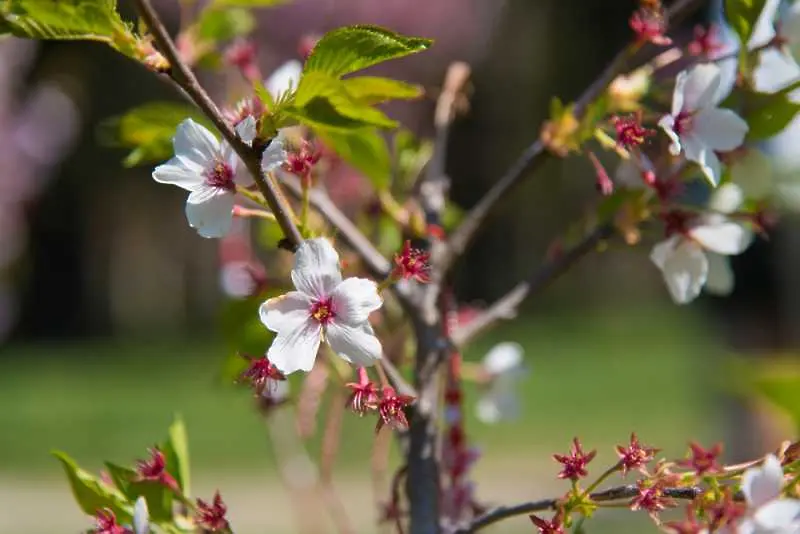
110,304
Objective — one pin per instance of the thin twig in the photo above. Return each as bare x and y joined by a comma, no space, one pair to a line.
506,306
621,492
185,78
536,154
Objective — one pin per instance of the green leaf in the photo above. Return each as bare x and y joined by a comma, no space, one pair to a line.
410,157
247,3
767,114
780,384
177,450
90,493
354,48
365,150
148,130
241,328
318,86
374,89
93,20
224,24
742,16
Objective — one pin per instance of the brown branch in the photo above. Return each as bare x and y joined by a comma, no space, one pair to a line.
536,154
186,80
621,492
506,306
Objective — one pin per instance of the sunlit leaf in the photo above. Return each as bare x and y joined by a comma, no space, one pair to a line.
779,382
374,89
148,130
767,114
410,157
364,149
742,16
352,48
177,450
93,20
318,85
90,493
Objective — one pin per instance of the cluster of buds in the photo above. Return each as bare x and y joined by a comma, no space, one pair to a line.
649,23
630,130
386,402
242,55
301,162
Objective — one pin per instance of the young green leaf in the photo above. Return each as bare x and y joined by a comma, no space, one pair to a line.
148,130
315,86
742,16
90,493
374,89
365,149
177,453
353,48
767,114
92,20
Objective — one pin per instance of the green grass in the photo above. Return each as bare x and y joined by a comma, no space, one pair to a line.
599,377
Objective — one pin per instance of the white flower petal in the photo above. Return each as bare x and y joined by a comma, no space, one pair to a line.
790,30
285,313
684,266
764,28
667,123
275,154
487,411
284,78
176,172
700,87
677,93
719,129
195,143
316,268
246,129
209,211
296,349
778,517
727,198
354,299
503,357
702,155
729,238
763,484
720,279
141,517
355,344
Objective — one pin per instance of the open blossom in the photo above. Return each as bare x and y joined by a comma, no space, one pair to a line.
767,513
687,257
504,366
323,307
696,125
206,168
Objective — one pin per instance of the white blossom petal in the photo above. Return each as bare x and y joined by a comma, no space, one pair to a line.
195,143
727,198
284,78
684,266
246,129
296,349
209,211
720,279
355,344
790,30
503,357
700,87
698,152
316,268
275,153
285,313
719,129
176,172
667,123
141,517
727,238
677,93
488,411
763,484
778,517
354,299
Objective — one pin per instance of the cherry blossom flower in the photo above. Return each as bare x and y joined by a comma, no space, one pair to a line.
503,363
575,462
284,78
767,513
790,30
635,455
696,125
686,256
324,307
206,168
141,517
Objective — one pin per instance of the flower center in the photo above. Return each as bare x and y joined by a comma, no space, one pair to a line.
221,175
322,311
683,123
